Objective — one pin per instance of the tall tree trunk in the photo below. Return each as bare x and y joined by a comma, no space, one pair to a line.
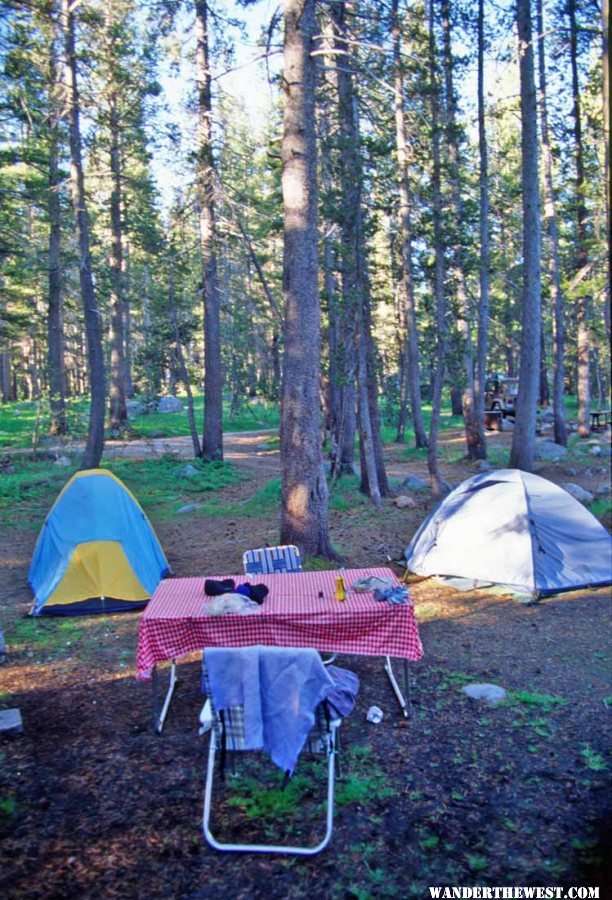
404,213
118,419
582,259
439,269
550,217
182,368
347,306
212,440
97,385
129,350
485,249
605,88
474,436
523,440
355,287
304,495
57,385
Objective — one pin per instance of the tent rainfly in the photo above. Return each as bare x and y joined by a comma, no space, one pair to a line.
96,551
515,529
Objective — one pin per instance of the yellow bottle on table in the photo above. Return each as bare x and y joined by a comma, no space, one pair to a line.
340,593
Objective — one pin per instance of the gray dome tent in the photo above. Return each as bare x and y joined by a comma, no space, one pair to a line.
516,529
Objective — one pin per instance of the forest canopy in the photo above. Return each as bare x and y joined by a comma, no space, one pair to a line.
353,209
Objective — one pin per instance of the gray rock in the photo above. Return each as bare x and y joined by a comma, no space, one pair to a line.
412,483
577,492
10,721
548,450
135,408
484,466
570,470
491,694
404,502
602,490
187,472
596,450
547,415
169,405
191,507
62,461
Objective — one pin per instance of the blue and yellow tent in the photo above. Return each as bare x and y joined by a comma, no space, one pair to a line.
96,552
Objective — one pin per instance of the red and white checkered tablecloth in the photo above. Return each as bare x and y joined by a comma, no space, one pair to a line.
292,615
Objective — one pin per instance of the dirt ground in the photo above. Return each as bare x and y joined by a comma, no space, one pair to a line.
94,804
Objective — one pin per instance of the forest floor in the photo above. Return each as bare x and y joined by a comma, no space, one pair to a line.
93,804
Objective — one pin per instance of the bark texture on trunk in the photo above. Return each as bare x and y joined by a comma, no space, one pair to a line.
485,249
523,440
97,383
212,441
404,215
550,218
57,382
118,418
304,505
582,258
474,430
355,287
439,270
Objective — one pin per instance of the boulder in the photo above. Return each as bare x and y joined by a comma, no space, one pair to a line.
169,405
548,450
412,483
491,694
577,492
187,471
602,490
135,408
10,721
404,502
191,507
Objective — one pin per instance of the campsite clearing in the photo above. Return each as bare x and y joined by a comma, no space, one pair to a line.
93,804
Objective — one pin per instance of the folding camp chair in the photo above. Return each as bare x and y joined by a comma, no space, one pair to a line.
268,560
228,733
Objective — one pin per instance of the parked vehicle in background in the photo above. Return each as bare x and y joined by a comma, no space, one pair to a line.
500,394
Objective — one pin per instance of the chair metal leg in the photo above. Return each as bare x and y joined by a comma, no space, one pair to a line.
271,848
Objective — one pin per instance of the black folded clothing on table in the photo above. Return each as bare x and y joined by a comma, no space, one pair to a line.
213,588
256,592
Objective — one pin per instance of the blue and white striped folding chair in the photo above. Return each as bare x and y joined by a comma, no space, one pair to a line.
270,560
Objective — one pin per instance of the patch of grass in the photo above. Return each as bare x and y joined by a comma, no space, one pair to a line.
365,781
27,495
319,564
261,503
345,496
8,807
545,702
430,842
602,509
252,416
43,633
593,760
477,863
260,802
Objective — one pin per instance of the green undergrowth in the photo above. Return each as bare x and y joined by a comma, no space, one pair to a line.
27,494
26,423
363,782
263,501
